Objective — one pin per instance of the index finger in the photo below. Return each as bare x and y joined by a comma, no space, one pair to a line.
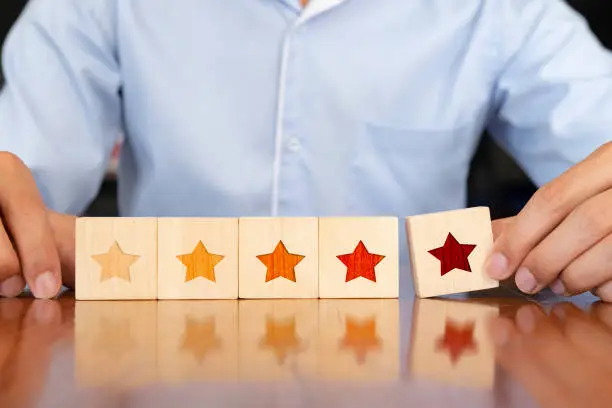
26,218
546,209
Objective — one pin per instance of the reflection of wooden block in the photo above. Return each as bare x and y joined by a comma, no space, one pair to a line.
278,339
197,340
448,251
198,258
358,257
278,258
359,339
115,343
116,258
450,342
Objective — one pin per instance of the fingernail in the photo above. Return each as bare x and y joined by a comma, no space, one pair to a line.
525,280
45,286
525,319
12,287
497,266
558,287
43,311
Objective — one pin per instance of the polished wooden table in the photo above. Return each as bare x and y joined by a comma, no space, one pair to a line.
491,351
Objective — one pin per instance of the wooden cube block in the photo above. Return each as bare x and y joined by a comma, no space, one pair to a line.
197,258
359,339
278,339
197,340
450,342
278,258
358,257
448,251
115,343
116,258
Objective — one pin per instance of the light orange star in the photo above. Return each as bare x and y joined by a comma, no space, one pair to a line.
200,338
361,337
280,263
115,263
281,337
200,263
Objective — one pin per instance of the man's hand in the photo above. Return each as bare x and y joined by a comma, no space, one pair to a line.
30,235
563,236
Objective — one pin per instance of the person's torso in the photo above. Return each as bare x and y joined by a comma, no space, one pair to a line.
241,108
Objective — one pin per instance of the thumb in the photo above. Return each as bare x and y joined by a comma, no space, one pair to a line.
500,225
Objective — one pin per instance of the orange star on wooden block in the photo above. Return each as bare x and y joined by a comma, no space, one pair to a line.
361,337
200,263
280,263
360,263
115,263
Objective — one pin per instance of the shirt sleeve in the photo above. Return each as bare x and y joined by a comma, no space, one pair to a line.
60,105
553,95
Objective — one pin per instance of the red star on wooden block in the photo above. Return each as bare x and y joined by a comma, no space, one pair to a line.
457,340
453,255
360,263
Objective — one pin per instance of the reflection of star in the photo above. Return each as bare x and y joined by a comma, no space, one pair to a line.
453,255
200,337
457,340
115,263
200,263
115,337
360,263
280,263
281,337
361,337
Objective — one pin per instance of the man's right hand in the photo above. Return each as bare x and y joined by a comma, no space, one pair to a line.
34,242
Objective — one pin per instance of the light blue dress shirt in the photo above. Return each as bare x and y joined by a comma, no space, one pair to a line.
256,107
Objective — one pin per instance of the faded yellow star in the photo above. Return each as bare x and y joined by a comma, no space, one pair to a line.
115,337
200,337
115,263
200,263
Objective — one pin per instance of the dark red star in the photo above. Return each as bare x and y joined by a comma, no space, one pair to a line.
453,255
360,263
457,340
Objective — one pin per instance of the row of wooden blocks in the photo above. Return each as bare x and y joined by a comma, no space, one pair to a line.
300,257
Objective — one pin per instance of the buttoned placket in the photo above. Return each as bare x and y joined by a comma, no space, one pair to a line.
286,140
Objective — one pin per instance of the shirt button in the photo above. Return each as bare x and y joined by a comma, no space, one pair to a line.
294,144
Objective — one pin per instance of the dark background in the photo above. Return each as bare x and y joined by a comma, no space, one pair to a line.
494,180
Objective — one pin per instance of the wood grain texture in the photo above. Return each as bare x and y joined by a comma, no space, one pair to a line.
197,340
280,263
448,251
116,258
453,255
278,258
450,343
359,339
278,338
197,258
121,332
358,257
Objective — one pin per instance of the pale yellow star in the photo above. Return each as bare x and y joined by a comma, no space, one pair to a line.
115,263
200,263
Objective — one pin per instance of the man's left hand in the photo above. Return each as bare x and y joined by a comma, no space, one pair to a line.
563,236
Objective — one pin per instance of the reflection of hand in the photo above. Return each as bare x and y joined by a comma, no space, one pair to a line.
562,237
28,331
563,360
